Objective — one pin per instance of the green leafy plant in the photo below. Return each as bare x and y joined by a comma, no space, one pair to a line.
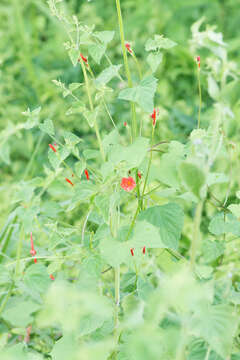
122,248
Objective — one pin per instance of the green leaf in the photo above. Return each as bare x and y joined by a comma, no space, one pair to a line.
97,51
91,154
108,74
56,158
168,219
213,88
110,139
80,166
102,202
217,326
74,86
212,250
216,178
36,278
105,36
143,94
154,60
47,127
5,153
221,224
133,155
159,42
74,55
146,234
167,171
71,139
235,210
18,311
4,276
91,115
192,176
33,117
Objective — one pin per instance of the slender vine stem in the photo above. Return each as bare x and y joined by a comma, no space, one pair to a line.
92,108
128,74
148,169
196,231
200,97
19,251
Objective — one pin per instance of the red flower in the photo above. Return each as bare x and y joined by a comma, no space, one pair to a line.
139,175
84,59
128,184
125,123
52,277
144,250
52,147
132,251
198,61
128,47
32,251
69,181
87,174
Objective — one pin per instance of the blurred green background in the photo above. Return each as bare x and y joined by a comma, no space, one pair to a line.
32,55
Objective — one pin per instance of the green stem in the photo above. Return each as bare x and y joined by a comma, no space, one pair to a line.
125,58
19,251
138,65
33,156
4,303
200,97
208,353
133,221
117,299
148,169
92,108
196,233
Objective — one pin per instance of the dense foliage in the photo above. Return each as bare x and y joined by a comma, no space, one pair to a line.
120,198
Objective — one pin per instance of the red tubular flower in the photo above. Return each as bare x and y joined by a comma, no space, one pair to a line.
52,147
139,175
84,59
87,174
128,184
69,181
128,47
198,61
132,251
52,277
144,250
125,123
153,116
32,251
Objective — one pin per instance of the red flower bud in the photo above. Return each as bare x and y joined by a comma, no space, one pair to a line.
139,174
198,61
125,123
153,116
84,59
69,181
144,250
87,174
128,47
52,277
33,252
52,147
132,251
